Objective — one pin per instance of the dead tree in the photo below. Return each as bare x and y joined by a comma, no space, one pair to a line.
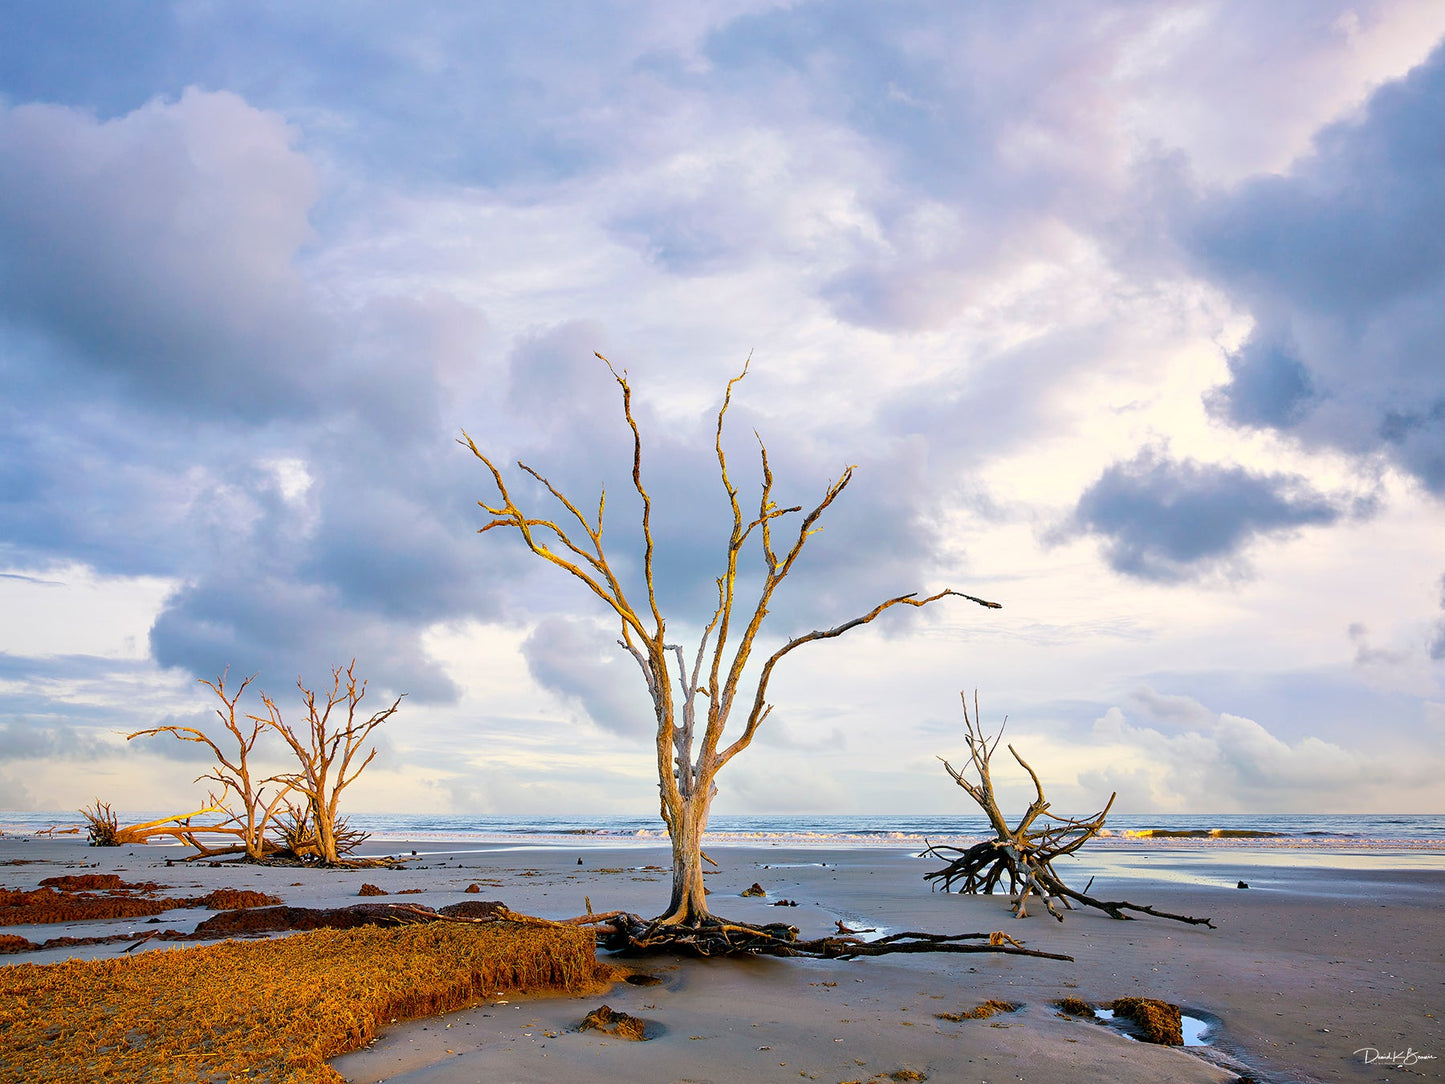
326,751
692,703
234,772
1025,853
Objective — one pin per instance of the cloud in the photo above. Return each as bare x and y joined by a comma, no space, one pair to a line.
284,628
1437,645
22,739
581,661
1202,760
157,249
186,402
1170,520
240,325
1340,263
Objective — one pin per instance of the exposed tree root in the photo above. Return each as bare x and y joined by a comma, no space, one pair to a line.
631,935
981,867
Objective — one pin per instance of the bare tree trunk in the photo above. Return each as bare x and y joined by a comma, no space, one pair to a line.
321,817
689,904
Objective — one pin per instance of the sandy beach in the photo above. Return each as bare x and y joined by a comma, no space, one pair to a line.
1327,968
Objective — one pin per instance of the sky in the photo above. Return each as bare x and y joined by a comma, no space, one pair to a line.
1128,314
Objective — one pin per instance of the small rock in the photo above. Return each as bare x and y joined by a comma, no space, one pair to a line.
473,888
755,890
1242,884
371,890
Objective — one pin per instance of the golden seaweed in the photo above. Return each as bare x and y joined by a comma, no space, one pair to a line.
979,1012
267,1010
1158,1021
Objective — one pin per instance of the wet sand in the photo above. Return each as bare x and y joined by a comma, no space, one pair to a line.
1310,970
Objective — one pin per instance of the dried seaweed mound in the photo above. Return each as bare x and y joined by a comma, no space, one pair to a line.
1158,1021
47,905
267,1010
75,899
235,899
979,1012
93,882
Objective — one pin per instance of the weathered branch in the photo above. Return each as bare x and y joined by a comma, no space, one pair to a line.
630,935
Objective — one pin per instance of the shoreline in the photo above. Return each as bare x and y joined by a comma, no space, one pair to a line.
1309,965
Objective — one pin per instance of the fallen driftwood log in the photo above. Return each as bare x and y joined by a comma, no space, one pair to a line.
631,935
1025,853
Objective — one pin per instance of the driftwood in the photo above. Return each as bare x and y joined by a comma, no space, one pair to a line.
1024,853
631,935
295,842
618,931
105,829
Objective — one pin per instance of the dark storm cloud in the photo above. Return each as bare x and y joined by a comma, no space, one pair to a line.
1269,388
1166,519
378,547
1341,260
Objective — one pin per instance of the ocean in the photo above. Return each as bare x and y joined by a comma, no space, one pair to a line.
903,830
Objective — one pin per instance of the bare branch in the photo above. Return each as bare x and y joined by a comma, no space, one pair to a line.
641,492
759,712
